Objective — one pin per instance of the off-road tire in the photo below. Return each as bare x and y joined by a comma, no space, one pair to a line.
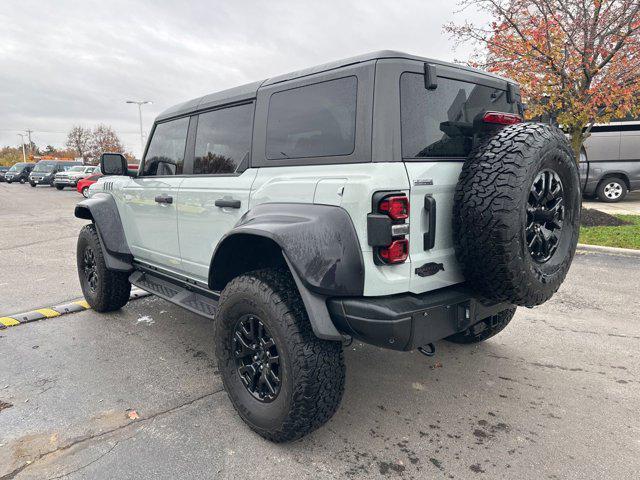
601,194
490,214
484,329
312,370
113,289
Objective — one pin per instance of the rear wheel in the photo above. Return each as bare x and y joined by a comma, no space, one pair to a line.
105,290
484,329
22,180
612,189
283,380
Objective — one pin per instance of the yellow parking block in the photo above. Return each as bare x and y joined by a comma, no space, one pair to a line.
48,312
8,321
82,303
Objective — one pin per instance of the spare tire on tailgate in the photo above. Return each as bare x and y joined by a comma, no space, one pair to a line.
516,214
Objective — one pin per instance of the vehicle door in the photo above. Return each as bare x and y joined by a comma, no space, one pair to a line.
149,201
215,194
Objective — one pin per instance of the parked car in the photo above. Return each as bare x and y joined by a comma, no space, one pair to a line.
46,170
19,172
388,197
3,170
70,177
610,160
84,183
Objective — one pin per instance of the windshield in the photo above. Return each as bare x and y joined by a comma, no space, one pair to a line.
17,167
77,169
44,167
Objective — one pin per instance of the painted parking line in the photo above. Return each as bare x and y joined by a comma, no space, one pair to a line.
57,311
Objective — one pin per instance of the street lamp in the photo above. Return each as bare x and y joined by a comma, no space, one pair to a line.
24,155
140,103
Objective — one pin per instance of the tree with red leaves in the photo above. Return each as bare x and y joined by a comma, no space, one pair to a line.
577,61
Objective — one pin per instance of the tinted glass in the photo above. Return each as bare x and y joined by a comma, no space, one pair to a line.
165,155
439,123
223,140
313,121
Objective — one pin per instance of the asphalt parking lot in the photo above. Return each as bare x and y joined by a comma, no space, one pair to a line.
136,394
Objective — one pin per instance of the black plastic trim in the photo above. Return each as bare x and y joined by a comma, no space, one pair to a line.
319,241
408,321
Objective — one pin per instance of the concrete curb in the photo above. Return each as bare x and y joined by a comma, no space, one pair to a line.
627,252
57,310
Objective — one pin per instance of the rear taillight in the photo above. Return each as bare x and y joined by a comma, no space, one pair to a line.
387,229
397,252
397,207
501,118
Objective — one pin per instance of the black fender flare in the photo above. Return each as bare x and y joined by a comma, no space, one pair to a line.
102,210
320,246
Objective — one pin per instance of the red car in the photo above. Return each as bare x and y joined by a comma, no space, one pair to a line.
85,183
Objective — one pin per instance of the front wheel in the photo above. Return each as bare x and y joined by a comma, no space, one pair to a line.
283,380
105,290
60,187
32,184
612,190
22,181
85,192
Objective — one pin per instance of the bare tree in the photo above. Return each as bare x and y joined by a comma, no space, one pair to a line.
79,140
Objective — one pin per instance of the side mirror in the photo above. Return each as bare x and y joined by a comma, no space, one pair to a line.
113,164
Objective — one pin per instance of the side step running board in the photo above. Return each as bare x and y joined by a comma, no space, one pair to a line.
186,297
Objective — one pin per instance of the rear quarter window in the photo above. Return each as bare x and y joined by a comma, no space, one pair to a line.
439,123
316,120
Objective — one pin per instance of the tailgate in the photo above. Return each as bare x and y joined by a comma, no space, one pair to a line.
437,182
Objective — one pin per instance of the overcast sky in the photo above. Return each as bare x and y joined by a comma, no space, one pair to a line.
64,63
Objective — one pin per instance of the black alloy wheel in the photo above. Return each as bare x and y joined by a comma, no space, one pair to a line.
89,268
545,215
256,357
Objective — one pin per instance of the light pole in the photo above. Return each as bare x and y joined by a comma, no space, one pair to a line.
140,103
24,155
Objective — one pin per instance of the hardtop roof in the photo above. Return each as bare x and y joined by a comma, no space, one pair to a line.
250,90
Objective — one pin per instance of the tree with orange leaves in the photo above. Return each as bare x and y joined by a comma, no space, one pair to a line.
577,61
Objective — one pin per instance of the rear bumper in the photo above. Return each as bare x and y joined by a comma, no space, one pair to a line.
408,321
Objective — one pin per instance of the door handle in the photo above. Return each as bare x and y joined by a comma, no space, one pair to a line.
429,237
229,203
164,198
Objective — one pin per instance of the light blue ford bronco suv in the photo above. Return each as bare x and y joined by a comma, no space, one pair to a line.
389,198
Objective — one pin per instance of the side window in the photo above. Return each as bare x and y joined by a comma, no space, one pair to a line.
165,155
223,140
316,120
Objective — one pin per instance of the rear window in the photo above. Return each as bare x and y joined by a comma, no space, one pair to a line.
316,120
439,123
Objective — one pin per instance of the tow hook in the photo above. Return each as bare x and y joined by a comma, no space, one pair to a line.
429,349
